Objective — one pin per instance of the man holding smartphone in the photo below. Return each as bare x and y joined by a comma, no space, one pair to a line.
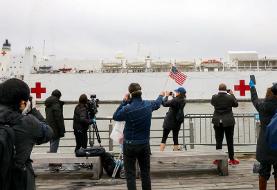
224,120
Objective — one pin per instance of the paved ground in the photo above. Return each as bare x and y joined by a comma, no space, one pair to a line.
194,177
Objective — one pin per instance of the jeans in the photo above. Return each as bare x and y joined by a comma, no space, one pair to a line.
229,134
175,135
265,169
54,145
141,153
81,138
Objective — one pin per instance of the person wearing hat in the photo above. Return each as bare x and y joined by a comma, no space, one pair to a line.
174,117
137,114
29,128
54,117
224,121
267,158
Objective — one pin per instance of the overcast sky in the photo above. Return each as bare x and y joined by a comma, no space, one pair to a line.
94,29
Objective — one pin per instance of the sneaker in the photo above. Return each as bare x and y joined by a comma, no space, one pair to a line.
215,162
233,162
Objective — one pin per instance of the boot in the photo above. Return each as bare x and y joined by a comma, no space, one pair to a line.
176,148
263,183
162,146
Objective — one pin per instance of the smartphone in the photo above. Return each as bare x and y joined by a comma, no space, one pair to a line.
252,77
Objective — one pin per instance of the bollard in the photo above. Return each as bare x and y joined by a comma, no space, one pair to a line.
191,133
110,140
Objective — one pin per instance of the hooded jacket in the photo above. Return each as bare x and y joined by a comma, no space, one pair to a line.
28,132
54,116
177,103
266,109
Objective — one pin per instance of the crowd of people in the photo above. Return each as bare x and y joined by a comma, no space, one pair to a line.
31,128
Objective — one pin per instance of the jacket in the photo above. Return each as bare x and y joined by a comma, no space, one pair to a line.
223,104
28,132
137,114
54,116
81,118
266,109
176,104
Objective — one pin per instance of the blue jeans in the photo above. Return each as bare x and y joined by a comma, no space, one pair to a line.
131,153
54,145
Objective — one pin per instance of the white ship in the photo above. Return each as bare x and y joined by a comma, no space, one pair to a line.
110,79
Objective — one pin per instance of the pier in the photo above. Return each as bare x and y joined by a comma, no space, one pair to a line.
196,135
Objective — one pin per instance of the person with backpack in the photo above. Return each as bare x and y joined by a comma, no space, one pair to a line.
137,114
174,117
27,128
223,120
267,157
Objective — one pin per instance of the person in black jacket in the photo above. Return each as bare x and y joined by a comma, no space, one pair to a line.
267,158
174,117
54,118
81,122
224,120
29,129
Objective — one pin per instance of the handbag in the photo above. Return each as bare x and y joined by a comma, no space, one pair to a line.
117,132
90,152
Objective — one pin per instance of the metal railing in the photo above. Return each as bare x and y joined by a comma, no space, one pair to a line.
197,129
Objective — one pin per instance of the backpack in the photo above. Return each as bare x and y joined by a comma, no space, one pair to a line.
271,133
90,152
109,164
7,152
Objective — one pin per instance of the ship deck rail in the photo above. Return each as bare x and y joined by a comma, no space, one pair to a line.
196,131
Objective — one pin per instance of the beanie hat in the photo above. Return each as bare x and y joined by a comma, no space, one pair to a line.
56,93
274,89
12,91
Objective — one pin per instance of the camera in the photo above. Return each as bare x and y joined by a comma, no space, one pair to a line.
92,106
170,93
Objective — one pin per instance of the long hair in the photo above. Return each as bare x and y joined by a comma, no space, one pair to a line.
269,94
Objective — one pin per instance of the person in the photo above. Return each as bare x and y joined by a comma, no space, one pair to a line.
137,114
54,118
224,120
266,109
29,129
174,117
81,122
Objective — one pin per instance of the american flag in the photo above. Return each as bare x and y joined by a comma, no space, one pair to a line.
178,76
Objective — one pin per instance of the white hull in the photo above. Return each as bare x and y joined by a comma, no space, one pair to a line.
113,86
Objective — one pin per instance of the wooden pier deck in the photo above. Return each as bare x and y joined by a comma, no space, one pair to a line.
202,176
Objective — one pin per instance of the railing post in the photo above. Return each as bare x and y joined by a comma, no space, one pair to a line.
184,140
191,133
110,140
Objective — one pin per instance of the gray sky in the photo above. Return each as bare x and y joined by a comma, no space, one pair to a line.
93,29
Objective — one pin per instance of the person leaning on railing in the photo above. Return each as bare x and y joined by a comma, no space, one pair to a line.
264,155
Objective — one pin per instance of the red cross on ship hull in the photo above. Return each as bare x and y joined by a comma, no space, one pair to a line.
242,88
38,90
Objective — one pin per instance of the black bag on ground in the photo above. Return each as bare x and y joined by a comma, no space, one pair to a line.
6,155
90,152
109,163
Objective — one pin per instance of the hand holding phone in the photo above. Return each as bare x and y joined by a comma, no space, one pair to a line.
252,77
